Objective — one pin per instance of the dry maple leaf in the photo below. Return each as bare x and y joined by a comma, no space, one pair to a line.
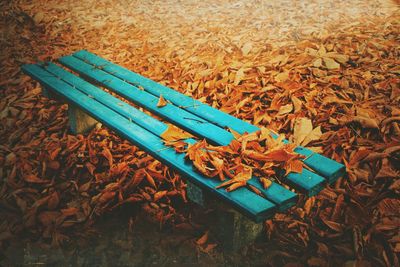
304,133
293,165
239,180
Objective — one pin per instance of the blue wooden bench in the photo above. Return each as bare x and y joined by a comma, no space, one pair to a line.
144,131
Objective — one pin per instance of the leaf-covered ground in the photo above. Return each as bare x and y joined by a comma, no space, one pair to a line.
325,73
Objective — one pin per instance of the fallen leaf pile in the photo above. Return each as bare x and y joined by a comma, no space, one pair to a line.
324,73
257,153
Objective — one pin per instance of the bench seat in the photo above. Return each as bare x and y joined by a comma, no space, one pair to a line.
198,118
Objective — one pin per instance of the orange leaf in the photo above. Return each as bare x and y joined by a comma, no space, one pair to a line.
203,239
69,211
150,179
53,200
85,187
209,247
255,190
278,155
106,196
266,182
107,154
236,186
226,183
309,204
161,102
34,179
235,134
295,165
240,178
173,133
91,168
159,195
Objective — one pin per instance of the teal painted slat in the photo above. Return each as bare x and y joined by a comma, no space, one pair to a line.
196,107
325,166
146,121
254,206
282,197
174,114
322,165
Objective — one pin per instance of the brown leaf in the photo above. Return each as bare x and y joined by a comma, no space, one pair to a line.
150,179
308,205
53,200
107,154
366,122
160,194
203,239
106,196
285,109
304,132
31,178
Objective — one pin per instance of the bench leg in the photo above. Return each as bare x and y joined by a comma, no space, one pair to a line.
233,229
230,227
195,194
79,121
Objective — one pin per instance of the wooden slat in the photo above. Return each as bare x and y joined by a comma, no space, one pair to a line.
146,121
170,112
311,182
196,107
282,197
252,205
328,168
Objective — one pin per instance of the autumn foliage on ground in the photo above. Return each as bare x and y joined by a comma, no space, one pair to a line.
324,73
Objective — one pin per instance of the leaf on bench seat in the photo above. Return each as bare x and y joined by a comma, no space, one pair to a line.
294,165
173,133
258,150
161,102
239,180
266,182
